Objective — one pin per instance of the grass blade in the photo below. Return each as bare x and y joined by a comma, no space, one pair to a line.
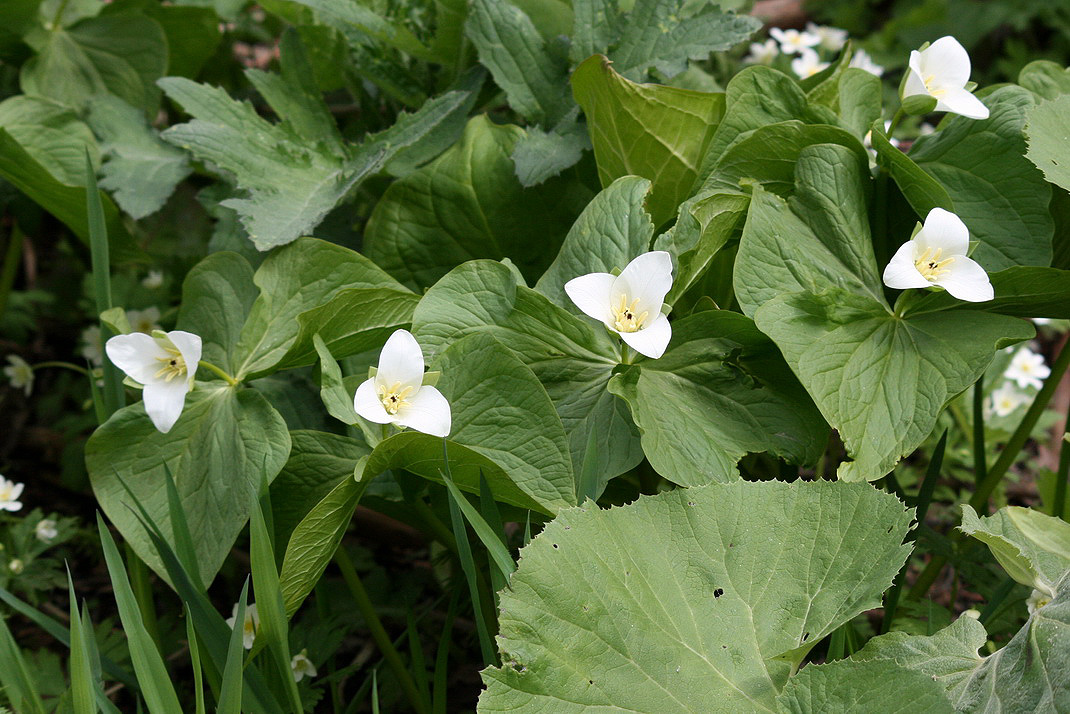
15,680
81,671
187,554
195,661
494,545
442,656
152,675
230,691
464,554
416,655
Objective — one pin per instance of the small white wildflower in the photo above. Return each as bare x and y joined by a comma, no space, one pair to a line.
762,52
936,256
19,374
250,626
863,61
830,38
302,666
91,346
1037,599
153,280
9,495
1006,399
165,364
145,320
807,64
45,530
1027,368
16,566
792,41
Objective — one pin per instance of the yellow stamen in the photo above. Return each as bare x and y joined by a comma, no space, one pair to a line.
626,317
931,266
394,397
174,365
938,92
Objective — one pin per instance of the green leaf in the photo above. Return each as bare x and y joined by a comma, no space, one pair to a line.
154,682
1045,79
657,132
139,169
503,424
496,549
540,155
1032,547
83,684
217,295
318,462
358,22
699,597
230,689
720,391
469,204
882,380
52,135
612,231
848,686
1047,129
921,190
533,75
223,444
193,36
293,172
571,356
19,689
1021,292
661,34
1029,674
767,155
996,191
313,286
65,202
755,97
858,100
121,54
818,238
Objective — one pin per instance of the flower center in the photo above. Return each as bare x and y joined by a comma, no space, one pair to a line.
394,397
931,266
934,91
172,365
626,316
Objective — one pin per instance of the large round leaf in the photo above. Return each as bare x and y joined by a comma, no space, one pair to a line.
695,600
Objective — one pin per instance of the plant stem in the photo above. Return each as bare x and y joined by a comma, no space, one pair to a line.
10,266
980,466
218,372
62,365
1003,463
896,118
58,19
371,618
1063,472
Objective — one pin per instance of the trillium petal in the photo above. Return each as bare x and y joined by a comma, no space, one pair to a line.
136,354
367,404
189,345
947,61
428,412
591,293
163,402
648,278
960,101
901,273
914,84
943,231
966,280
401,361
650,341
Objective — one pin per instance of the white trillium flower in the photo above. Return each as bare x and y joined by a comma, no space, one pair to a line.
1027,368
942,70
1006,399
861,60
9,495
936,256
630,304
19,374
807,64
397,394
830,38
165,364
302,666
792,41
762,52
45,530
250,626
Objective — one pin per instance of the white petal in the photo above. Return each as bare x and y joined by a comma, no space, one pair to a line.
401,361
591,294
648,278
136,354
945,231
650,341
959,101
189,345
367,404
914,84
966,280
901,272
17,491
164,401
427,411
947,61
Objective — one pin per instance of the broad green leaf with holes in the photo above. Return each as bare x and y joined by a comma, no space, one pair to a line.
695,600
226,441
847,686
720,391
657,132
572,356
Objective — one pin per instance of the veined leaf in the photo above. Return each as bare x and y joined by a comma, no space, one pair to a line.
1045,78
217,296
52,134
848,686
1032,547
1047,129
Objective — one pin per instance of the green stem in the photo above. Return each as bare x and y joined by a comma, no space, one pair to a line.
980,466
11,262
58,19
62,365
218,372
371,618
1006,458
896,118
1063,472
